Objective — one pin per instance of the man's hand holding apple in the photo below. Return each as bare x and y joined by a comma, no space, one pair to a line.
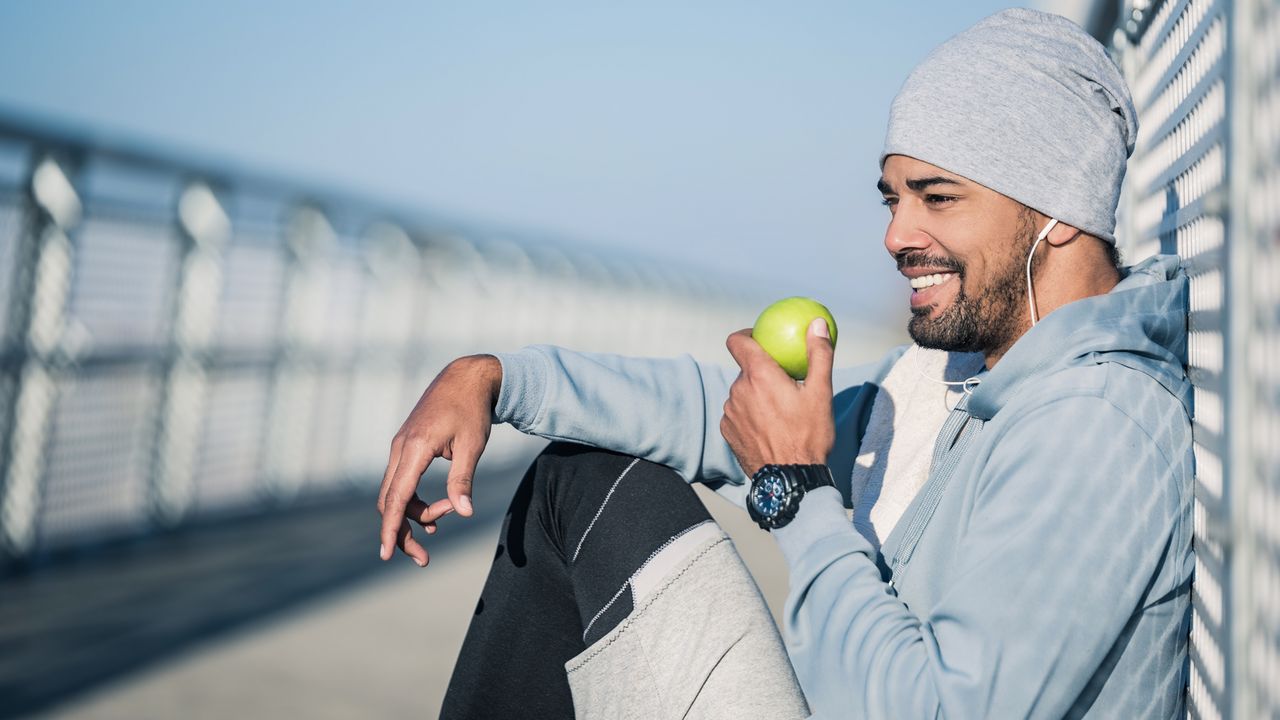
771,418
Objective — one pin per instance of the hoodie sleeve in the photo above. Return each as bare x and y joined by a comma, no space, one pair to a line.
665,410
1063,539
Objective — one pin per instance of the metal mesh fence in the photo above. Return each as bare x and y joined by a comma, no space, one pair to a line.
1257,231
1179,73
180,343
1204,182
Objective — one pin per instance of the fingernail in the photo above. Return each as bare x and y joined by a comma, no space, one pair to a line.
421,563
382,551
819,327
464,504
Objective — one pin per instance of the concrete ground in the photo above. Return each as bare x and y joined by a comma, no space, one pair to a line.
382,647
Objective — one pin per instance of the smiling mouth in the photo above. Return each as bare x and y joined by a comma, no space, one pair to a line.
927,281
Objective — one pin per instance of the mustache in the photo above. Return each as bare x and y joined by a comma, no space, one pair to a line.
920,259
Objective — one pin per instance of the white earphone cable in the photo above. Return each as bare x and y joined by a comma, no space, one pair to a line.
1031,295
967,384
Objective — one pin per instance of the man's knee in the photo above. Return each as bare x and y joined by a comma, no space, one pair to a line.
560,454
573,483
571,476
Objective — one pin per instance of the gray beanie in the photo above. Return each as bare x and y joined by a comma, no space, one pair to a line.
1029,105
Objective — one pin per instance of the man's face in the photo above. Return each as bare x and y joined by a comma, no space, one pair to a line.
963,247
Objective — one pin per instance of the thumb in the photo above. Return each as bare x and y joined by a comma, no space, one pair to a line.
462,468
821,355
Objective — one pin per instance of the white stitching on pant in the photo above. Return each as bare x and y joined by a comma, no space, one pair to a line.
637,612
607,605
601,509
673,538
645,564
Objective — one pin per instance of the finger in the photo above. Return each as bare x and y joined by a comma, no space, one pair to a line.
424,514
397,444
734,344
747,352
736,388
462,469
414,460
411,546
821,355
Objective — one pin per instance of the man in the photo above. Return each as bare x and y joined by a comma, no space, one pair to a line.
1021,534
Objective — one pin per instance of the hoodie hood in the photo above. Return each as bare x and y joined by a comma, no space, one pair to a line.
1141,324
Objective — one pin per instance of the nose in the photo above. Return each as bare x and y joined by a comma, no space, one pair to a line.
904,232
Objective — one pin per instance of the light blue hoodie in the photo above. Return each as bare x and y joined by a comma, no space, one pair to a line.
1042,571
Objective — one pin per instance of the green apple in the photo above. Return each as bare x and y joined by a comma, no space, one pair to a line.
781,331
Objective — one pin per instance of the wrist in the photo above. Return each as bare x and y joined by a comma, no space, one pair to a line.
800,459
485,371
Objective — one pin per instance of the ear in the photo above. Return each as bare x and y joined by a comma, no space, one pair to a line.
1061,234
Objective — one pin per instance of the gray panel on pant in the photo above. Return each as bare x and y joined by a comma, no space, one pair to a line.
703,645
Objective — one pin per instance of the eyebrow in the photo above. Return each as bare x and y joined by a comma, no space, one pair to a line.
916,184
919,184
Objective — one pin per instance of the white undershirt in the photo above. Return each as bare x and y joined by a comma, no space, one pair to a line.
897,449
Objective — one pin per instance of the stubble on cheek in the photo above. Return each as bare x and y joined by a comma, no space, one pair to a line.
992,317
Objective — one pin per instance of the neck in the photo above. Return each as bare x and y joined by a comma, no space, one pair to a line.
1066,273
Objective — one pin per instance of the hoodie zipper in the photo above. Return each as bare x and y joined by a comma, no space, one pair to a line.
955,436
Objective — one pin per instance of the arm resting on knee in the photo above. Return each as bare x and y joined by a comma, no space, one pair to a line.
665,410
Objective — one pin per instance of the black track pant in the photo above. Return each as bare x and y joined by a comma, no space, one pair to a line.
583,524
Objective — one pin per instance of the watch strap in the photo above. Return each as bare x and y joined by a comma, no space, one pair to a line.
804,478
813,477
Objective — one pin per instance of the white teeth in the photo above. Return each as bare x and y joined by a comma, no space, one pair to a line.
925,281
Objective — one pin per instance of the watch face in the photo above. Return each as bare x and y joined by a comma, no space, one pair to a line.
769,495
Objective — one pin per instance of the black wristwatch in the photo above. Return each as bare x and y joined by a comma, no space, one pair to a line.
776,491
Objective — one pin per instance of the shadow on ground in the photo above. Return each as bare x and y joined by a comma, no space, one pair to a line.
78,622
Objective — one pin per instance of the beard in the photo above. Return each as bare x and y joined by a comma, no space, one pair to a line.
994,317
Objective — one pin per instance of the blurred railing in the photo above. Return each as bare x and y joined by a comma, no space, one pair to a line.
1204,182
181,341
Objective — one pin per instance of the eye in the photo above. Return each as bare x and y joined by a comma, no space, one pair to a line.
939,199
889,202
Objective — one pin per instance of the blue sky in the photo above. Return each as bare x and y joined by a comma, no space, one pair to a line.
736,136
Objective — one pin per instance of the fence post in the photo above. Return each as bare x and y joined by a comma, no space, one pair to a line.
203,228
295,375
386,344
37,307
